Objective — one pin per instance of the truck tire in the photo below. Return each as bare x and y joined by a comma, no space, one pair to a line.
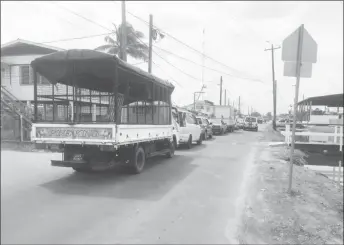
199,142
175,142
189,144
170,154
138,160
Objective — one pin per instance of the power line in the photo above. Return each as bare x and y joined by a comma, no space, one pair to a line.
206,56
231,75
76,38
167,74
89,20
166,60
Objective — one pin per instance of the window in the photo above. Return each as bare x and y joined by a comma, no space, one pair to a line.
191,119
25,75
42,80
199,120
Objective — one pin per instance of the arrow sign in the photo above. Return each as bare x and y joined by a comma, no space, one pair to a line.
309,47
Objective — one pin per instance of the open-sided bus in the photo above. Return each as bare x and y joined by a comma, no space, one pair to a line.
100,111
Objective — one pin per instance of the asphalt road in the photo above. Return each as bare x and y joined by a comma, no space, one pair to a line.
191,198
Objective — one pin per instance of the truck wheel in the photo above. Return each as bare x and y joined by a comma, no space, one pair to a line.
175,142
199,142
189,144
170,154
138,161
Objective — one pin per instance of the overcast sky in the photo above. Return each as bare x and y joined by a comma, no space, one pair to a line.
235,34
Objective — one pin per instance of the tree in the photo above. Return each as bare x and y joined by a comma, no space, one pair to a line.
135,48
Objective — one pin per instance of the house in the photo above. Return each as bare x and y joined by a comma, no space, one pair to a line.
203,106
16,73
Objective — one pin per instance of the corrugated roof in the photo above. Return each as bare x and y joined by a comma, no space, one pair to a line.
332,100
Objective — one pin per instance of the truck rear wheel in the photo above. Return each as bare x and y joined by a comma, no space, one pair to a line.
138,160
170,154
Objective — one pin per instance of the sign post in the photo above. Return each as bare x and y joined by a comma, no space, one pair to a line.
299,51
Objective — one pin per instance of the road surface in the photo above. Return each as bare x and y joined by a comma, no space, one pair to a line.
191,198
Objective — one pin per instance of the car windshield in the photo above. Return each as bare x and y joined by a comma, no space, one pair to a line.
250,119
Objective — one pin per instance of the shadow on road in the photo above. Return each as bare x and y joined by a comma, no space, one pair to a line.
194,148
158,178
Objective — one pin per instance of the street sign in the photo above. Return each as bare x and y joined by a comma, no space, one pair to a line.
290,69
309,47
299,51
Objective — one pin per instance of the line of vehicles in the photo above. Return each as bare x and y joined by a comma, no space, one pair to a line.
101,112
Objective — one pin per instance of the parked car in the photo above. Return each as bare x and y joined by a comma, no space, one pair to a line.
218,126
251,123
240,123
281,122
189,130
207,128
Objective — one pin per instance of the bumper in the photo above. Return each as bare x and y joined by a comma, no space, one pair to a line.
217,130
251,127
68,164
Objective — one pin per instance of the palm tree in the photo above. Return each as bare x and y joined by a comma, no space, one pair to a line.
135,48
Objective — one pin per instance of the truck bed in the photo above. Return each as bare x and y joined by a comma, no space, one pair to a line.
98,134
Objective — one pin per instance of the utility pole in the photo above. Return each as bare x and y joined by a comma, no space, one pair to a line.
274,84
150,43
221,91
123,34
225,97
203,58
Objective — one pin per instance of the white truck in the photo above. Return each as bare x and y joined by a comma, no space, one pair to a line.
100,111
226,113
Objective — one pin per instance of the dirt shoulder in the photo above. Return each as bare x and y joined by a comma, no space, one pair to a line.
312,214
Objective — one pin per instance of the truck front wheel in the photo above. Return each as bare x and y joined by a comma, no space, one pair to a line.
138,160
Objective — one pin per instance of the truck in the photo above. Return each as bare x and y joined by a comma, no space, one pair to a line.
226,113
100,112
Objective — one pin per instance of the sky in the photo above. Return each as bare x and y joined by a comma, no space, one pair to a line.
236,35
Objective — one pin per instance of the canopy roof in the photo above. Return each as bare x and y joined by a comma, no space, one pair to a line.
90,69
332,100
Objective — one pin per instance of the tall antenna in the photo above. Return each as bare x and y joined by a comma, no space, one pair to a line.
203,58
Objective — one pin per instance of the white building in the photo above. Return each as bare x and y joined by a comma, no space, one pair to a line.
204,106
16,72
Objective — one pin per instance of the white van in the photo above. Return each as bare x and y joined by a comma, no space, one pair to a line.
189,130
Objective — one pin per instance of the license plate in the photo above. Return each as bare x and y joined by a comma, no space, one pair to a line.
78,157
